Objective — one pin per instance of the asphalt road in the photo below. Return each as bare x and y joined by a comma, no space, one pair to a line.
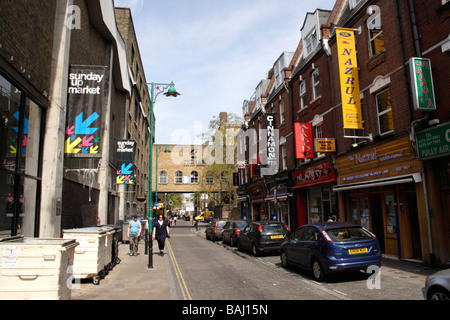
206,270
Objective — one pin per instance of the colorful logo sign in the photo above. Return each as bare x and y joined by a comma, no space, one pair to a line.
422,84
304,142
125,161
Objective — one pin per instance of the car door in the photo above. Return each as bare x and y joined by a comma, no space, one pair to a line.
244,237
307,244
293,244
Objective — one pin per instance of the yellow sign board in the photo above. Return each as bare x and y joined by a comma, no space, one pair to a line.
349,77
325,145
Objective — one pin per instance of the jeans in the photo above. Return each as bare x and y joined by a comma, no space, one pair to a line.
134,242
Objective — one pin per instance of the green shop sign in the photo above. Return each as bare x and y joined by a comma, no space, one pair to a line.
422,84
434,143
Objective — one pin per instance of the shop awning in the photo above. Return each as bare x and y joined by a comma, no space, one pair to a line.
417,177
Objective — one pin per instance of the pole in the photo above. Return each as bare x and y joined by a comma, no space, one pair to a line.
150,181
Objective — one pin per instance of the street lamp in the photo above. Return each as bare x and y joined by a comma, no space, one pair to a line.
155,90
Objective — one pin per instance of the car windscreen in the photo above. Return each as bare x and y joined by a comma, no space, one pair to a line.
274,228
349,234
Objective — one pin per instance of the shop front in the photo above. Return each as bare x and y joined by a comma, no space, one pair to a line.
278,198
259,207
313,190
433,150
381,189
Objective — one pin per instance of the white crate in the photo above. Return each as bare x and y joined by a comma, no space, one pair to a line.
36,269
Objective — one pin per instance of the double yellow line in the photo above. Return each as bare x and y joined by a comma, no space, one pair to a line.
183,287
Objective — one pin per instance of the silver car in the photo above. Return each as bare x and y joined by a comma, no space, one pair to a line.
437,286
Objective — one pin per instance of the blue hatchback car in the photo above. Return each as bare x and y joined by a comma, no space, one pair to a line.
326,248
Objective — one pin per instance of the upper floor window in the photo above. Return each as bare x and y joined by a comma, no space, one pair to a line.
384,110
316,84
163,177
376,37
281,111
311,41
194,177
178,177
303,102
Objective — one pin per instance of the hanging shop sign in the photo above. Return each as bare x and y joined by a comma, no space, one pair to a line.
349,78
304,142
434,143
325,145
323,173
86,94
272,141
422,84
125,161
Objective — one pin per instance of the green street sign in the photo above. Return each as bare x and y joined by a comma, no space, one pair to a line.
422,84
434,143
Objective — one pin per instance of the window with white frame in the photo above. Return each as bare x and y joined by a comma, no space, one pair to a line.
376,37
316,84
209,179
163,177
311,41
303,101
194,177
284,156
178,177
384,110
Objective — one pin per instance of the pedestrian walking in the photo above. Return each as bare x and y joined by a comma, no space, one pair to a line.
175,220
133,232
161,232
196,225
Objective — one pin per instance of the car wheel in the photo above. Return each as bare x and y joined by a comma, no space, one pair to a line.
438,294
284,259
317,270
255,251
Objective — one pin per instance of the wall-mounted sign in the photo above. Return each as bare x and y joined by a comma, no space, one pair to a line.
434,143
422,84
304,142
349,77
87,89
325,145
322,173
125,161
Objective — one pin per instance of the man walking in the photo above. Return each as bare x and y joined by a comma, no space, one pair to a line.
134,230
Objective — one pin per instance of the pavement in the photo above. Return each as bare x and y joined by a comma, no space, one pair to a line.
131,279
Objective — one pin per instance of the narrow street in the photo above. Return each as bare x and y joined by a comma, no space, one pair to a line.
206,270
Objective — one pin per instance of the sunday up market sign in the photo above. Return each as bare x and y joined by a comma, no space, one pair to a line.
87,86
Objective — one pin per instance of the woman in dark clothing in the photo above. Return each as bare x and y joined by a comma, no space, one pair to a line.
161,232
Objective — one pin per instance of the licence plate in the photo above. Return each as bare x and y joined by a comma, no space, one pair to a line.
277,237
356,251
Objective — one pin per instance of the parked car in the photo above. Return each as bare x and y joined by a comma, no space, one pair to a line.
262,236
214,229
437,286
327,248
232,229
204,216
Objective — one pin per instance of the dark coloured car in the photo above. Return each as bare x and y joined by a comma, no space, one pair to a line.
231,231
331,247
262,236
214,229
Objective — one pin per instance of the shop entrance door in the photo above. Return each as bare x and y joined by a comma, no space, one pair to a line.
390,223
413,218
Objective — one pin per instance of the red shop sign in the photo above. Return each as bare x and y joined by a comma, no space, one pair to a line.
304,142
322,173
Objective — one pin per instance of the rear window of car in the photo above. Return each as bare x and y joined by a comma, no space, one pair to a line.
274,228
240,224
349,234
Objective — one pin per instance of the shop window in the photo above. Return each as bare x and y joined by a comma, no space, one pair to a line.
384,110
376,37
391,216
20,129
322,205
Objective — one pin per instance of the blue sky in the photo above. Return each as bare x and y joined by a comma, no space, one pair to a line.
216,52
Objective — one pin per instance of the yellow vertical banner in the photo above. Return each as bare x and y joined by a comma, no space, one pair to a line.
349,77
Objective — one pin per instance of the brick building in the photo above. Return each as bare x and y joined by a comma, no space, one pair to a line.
380,173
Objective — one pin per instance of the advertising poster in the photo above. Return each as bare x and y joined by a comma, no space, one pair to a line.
125,161
86,94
